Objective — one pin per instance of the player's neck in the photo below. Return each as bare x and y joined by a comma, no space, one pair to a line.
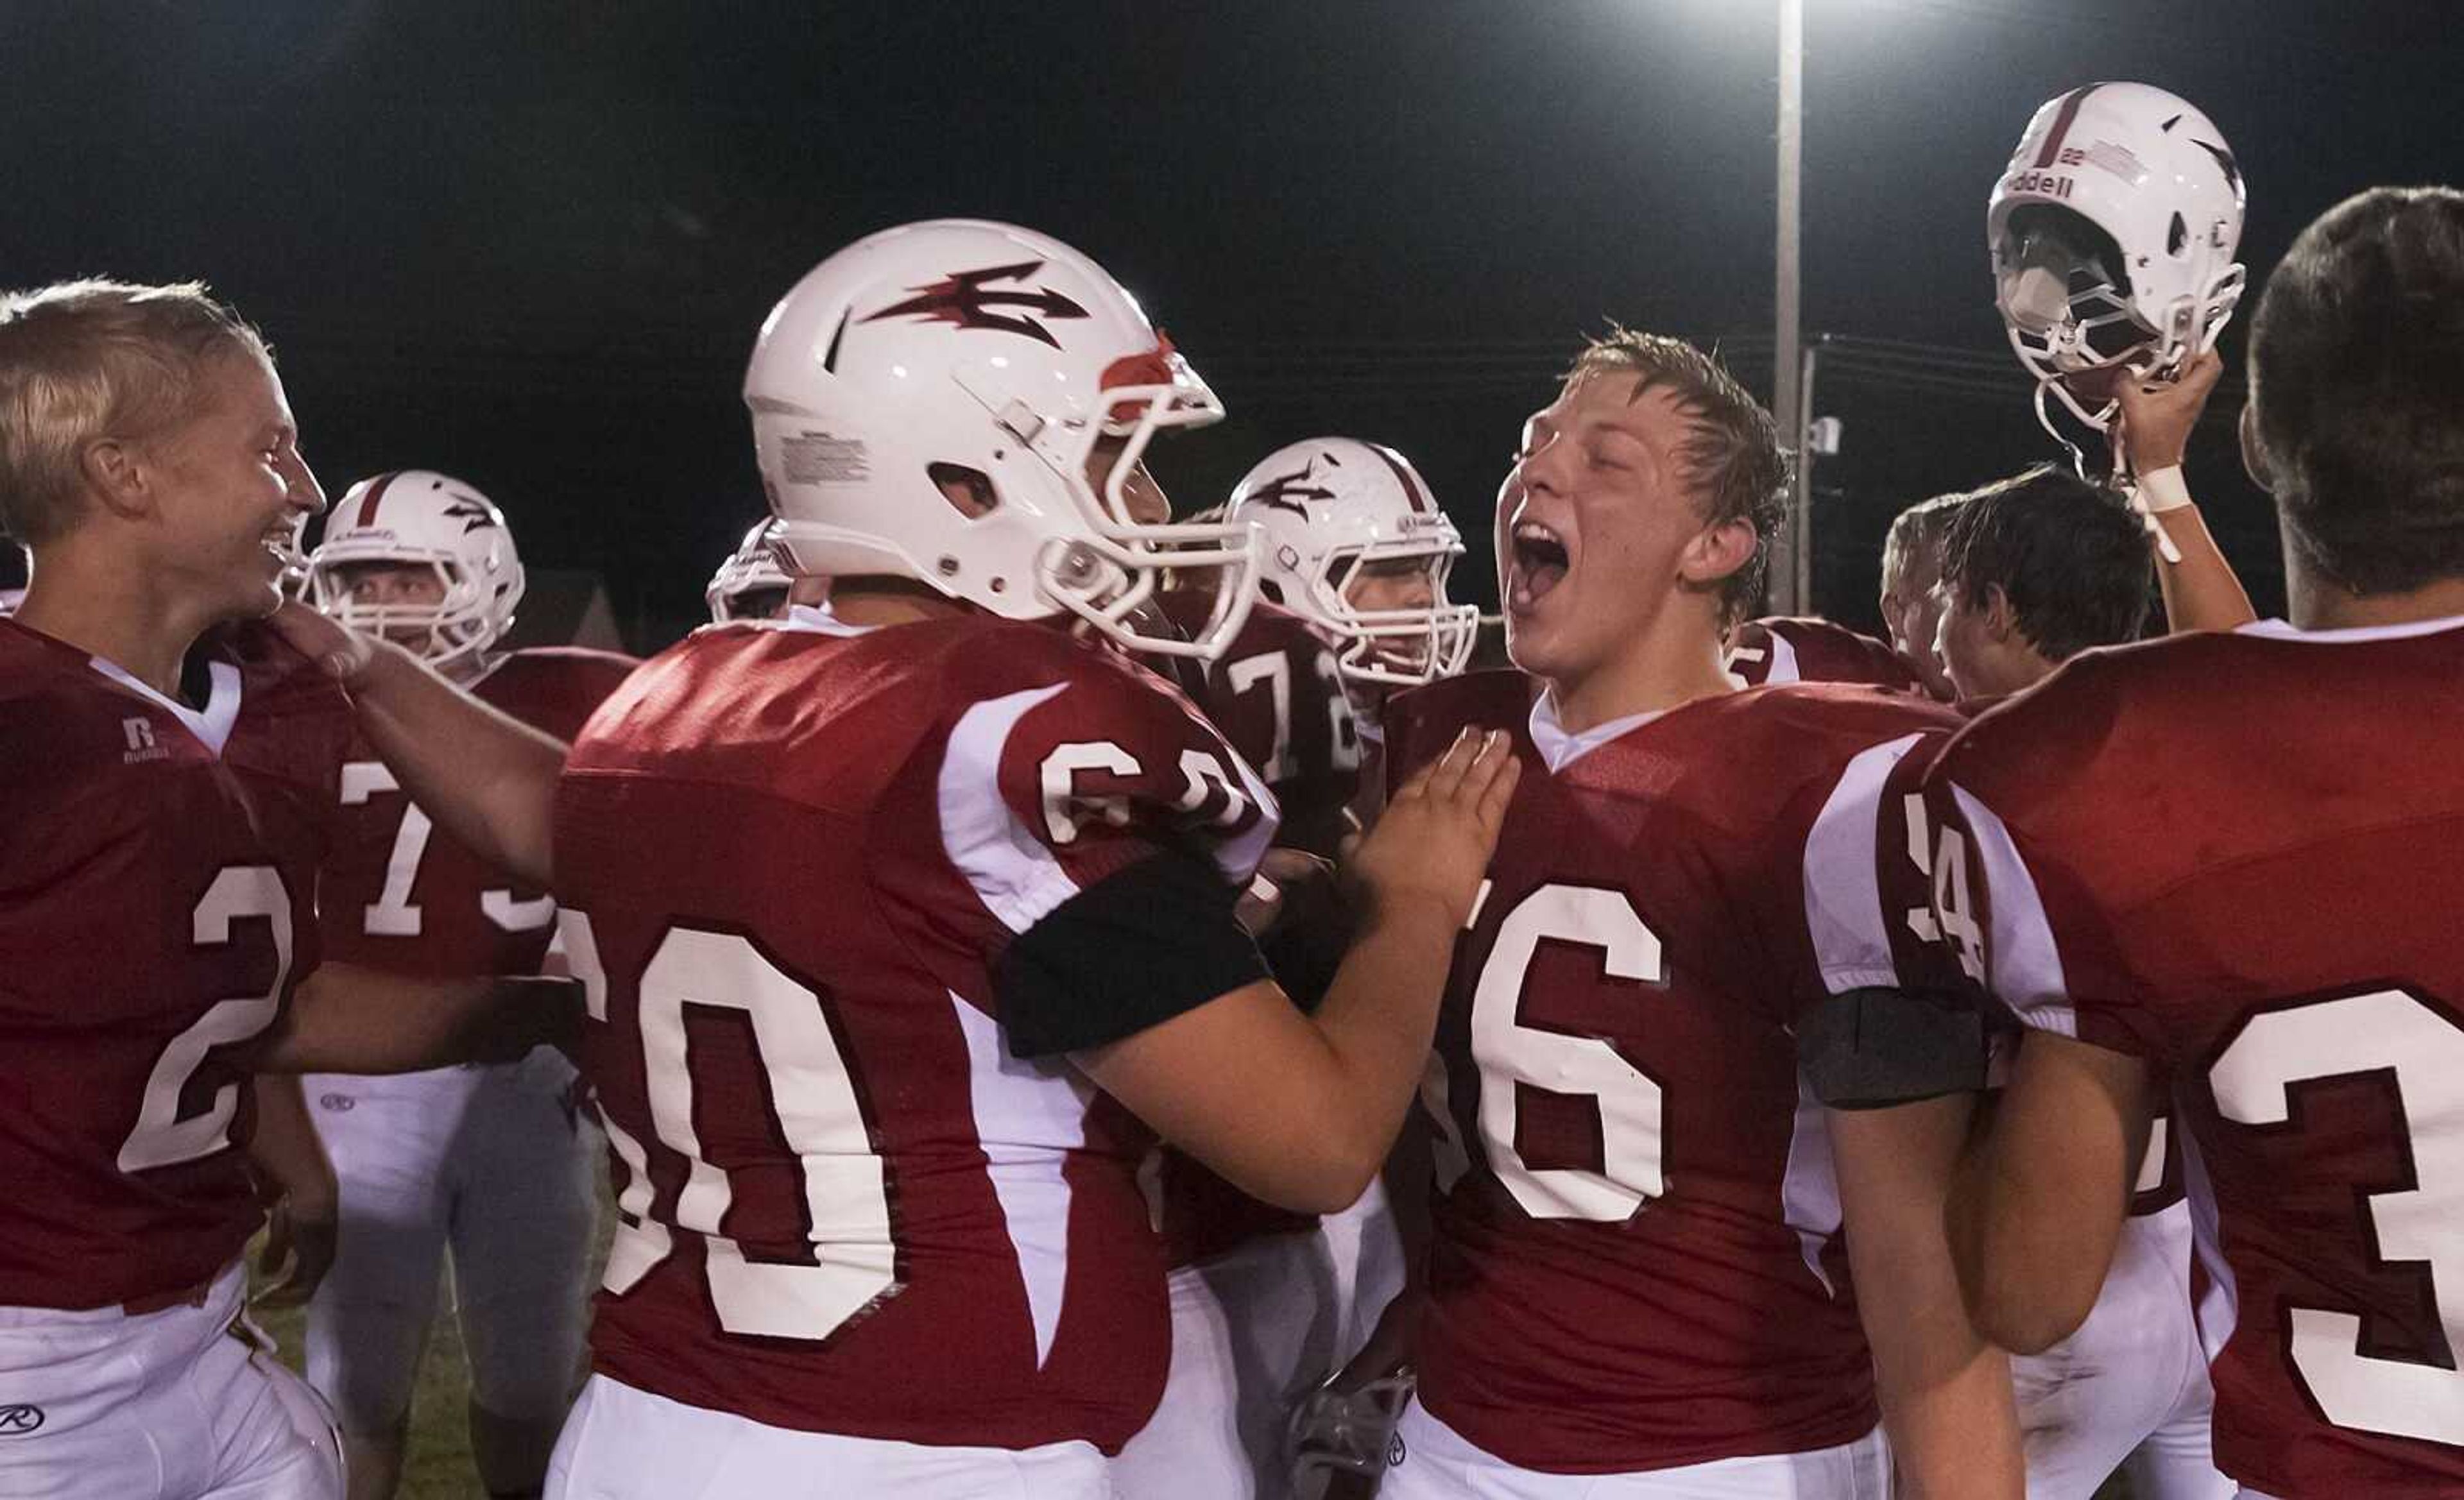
123,616
2315,604
1649,676
864,602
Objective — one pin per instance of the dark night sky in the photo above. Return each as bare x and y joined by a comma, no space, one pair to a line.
530,244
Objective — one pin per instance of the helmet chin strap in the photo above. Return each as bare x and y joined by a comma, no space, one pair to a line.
2117,479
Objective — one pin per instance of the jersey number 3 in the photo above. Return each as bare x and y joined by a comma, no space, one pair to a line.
2391,1032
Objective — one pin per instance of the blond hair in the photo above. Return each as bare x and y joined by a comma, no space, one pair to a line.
1732,456
1918,532
85,360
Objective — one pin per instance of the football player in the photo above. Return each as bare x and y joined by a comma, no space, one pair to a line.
488,1162
2037,569
907,919
1354,558
750,584
172,773
1637,1284
1911,607
2223,866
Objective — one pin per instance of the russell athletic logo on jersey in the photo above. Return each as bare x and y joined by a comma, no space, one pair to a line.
139,731
968,299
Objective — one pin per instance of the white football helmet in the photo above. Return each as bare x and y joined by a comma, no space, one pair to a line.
751,568
1328,507
2113,233
945,350
418,517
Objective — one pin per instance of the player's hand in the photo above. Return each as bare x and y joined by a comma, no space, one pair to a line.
304,1236
2157,415
343,652
1432,845
1281,872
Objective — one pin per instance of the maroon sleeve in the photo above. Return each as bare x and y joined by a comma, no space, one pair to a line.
1110,828
2029,854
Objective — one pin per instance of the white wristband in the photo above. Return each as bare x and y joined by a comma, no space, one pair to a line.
2164,490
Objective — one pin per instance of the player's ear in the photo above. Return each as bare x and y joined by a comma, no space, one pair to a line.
2001,620
1718,551
116,475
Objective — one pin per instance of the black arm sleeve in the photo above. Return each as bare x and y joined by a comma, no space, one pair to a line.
1871,1048
1136,948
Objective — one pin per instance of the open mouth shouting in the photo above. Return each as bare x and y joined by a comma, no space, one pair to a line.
1537,564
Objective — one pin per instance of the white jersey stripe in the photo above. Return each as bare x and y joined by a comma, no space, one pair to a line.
1010,869
1027,1116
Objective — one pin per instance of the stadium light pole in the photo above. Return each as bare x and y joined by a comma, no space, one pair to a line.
1791,574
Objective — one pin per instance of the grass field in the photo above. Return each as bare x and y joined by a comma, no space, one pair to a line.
439,1465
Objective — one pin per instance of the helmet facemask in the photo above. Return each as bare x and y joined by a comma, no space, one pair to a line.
1108,574
2069,310
453,632
1402,647
750,584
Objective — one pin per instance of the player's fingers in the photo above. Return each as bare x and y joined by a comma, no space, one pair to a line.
1417,784
1498,794
1446,782
1489,757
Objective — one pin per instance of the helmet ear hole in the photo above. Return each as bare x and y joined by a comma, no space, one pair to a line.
2176,235
969,491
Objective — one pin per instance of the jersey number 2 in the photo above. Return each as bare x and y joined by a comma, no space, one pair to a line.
162,1137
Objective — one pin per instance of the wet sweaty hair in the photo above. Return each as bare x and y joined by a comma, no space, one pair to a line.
1732,457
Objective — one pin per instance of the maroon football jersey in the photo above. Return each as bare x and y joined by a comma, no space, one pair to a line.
1783,649
1275,696
1636,1262
1869,903
2237,857
792,860
157,907
400,896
